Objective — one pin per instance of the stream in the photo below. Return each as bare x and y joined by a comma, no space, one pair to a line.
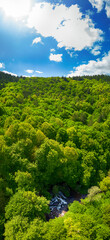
59,204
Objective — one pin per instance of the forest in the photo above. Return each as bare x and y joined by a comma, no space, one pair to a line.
54,136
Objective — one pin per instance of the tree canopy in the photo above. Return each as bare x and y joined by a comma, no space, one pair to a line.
54,135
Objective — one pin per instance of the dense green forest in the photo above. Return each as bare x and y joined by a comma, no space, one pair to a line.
54,135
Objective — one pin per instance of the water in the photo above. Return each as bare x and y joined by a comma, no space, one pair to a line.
59,204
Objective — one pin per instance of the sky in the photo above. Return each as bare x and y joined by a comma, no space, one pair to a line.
55,38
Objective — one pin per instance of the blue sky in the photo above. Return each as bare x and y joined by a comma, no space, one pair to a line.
55,38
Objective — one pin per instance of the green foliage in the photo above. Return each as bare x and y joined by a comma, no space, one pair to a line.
35,230
76,207
102,232
72,135
62,136
93,193
26,204
54,135
19,131
48,159
16,228
55,230
24,180
72,228
105,184
71,166
48,130
39,137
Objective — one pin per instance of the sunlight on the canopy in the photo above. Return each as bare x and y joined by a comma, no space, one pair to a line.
16,9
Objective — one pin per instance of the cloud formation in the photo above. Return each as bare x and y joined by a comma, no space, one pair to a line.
93,67
56,57
36,40
99,4
13,74
39,72
16,9
2,65
52,50
29,71
107,8
96,50
66,25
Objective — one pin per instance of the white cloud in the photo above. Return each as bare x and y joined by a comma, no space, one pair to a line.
2,65
39,72
16,9
56,57
89,12
66,25
107,8
29,71
99,4
13,74
71,54
36,40
52,50
93,67
96,50
32,71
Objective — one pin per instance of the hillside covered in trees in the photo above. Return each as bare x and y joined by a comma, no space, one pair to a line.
54,136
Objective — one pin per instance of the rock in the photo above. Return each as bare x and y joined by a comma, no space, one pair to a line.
62,213
60,194
59,204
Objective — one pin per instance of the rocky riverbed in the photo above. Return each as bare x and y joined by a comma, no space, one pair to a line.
59,204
